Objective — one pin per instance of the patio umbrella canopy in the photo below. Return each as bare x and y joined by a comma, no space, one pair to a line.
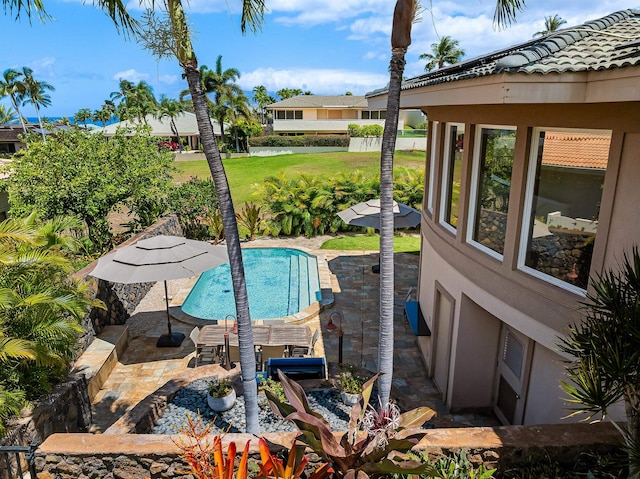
367,214
160,258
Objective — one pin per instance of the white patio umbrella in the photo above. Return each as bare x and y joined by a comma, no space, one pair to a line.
160,258
367,214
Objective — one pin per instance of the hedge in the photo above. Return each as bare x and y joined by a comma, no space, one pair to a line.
301,140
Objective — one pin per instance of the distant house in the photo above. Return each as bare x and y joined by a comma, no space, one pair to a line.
531,188
327,115
9,139
186,126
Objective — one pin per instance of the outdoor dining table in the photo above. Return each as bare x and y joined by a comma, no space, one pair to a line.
263,335
213,335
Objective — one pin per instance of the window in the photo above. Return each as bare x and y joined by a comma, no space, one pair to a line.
374,114
452,175
432,166
491,186
562,203
289,114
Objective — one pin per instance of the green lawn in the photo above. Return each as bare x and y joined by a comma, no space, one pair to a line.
401,244
243,173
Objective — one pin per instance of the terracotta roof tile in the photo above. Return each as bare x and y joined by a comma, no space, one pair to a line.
576,150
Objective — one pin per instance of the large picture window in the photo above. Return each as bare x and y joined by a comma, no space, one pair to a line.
452,175
491,187
564,190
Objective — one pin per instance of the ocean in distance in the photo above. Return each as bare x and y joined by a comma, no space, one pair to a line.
53,119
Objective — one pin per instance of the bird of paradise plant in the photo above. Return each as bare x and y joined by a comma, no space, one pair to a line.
377,450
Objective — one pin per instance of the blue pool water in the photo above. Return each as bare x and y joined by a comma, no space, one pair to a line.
280,282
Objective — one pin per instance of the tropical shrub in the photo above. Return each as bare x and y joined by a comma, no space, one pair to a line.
204,453
300,140
606,348
372,130
85,175
309,205
193,201
372,447
249,217
41,309
272,467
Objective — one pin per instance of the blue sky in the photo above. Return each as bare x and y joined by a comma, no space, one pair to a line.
326,46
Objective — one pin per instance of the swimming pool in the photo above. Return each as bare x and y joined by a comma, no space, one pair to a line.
280,282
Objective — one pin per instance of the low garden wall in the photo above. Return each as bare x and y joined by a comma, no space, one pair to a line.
290,150
359,145
129,456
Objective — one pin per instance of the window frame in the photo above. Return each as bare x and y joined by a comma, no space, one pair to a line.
447,186
432,164
528,205
475,184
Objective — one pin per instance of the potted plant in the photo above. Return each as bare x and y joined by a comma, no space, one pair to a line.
350,386
221,395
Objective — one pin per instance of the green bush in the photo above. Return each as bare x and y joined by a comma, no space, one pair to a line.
300,140
192,202
372,130
309,205
354,130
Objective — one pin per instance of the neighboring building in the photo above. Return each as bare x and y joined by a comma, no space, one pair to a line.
327,115
531,188
186,125
9,139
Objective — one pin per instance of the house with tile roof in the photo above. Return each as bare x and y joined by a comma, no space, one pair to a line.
329,115
531,188
185,123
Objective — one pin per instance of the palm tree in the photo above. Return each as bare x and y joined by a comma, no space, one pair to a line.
262,98
222,84
7,115
551,24
82,116
285,93
182,49
446,51
171,109
12,86
35,94
238,108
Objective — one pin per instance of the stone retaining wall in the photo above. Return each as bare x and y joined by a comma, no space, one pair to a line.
72,456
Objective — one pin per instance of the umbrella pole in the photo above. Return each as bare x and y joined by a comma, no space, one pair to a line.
169,340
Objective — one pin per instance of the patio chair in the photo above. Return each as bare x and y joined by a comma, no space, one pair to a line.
271,352
195,332
300,351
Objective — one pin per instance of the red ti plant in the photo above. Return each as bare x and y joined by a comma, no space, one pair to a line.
205,455
378,450
272,467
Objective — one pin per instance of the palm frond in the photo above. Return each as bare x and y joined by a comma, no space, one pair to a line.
252,15
505,13
13,348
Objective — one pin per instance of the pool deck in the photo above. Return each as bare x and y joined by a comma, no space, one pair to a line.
143,367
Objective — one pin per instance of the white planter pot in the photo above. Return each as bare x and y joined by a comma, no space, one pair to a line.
350,399
223,403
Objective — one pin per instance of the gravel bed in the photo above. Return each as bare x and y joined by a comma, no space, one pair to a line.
192,400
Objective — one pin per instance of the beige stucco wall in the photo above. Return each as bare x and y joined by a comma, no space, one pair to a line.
485,287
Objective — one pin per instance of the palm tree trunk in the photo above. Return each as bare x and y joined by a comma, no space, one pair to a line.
400,40
245,332
40,121
15,106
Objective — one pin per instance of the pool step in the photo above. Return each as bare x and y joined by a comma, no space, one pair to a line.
294,287
314,279
303,283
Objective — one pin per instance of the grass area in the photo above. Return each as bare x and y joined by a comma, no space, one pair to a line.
244,173
401,244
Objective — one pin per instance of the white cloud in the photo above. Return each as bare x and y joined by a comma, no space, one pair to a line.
318,81
131,75
43,66
168,79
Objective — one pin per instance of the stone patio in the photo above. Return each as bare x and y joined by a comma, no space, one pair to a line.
143,367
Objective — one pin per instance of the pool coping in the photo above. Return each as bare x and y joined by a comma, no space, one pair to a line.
328,283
